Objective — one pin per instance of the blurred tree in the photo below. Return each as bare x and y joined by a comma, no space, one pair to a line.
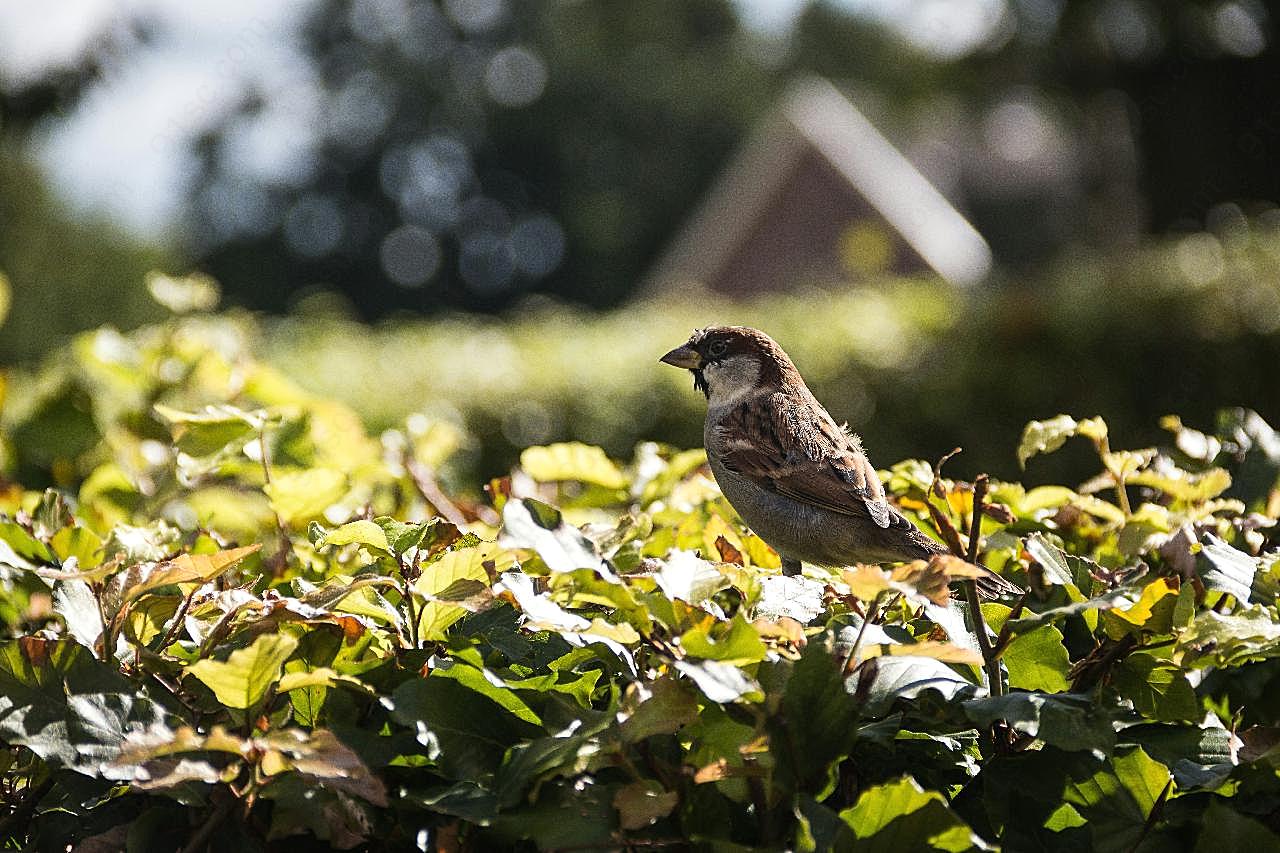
66,273
474,150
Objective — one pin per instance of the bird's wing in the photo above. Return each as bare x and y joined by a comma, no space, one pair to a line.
798,451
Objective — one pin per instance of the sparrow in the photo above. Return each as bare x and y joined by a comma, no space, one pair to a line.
799,480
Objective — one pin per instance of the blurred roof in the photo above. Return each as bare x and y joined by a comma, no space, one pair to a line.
814,118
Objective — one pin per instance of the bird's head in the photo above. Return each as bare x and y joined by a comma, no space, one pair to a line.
730,363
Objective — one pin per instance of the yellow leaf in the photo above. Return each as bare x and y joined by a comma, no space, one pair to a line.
189,568
299,496
243,679
467,563
945,652
572,461
1153,611
866,582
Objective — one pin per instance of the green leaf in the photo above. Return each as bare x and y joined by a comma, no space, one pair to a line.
1223,828
719,682
1228,639
1053,615
797,598
572,461
818,722
1158,689
243,679
1066,721
321,677
1117,799
22,544
78,542
209,432
363,532
1152,613
688,577
1182,485
663,706
466,733
900,815
819,829
428,537
1048,436
462,564
895,677
67,707
1059,567
564,754
737,643
1037,659
148,543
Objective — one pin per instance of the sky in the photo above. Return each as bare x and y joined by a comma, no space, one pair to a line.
124,151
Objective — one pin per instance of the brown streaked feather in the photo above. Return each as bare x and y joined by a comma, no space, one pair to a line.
798,451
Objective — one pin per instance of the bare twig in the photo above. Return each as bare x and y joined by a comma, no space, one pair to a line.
200,838
940,521
407,594
990,662
178,619
847,669
426,484
1006,634
1157,809
276,561
975,523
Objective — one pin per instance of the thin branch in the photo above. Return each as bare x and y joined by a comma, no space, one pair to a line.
991,663
200,838
975,523
170,634
1157,809
277,560
847,669
1006,635
407,594
940,521
426,484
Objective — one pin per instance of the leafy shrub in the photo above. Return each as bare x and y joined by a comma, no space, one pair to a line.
1183,324
242,622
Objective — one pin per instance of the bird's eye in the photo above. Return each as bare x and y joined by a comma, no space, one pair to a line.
717,348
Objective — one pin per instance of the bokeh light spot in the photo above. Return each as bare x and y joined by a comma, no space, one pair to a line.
410,256
313,226
515,77
475,16
1238,27
538,245
486,263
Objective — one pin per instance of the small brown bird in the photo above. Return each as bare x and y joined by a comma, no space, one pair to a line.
799,480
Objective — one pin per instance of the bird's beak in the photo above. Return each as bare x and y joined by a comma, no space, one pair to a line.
685,356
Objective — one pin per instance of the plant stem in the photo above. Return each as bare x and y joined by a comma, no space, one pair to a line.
991,663
278,560
407,593
975,522
1157,809
862,629
426,484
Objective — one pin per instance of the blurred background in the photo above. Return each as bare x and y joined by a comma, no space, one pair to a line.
956,215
